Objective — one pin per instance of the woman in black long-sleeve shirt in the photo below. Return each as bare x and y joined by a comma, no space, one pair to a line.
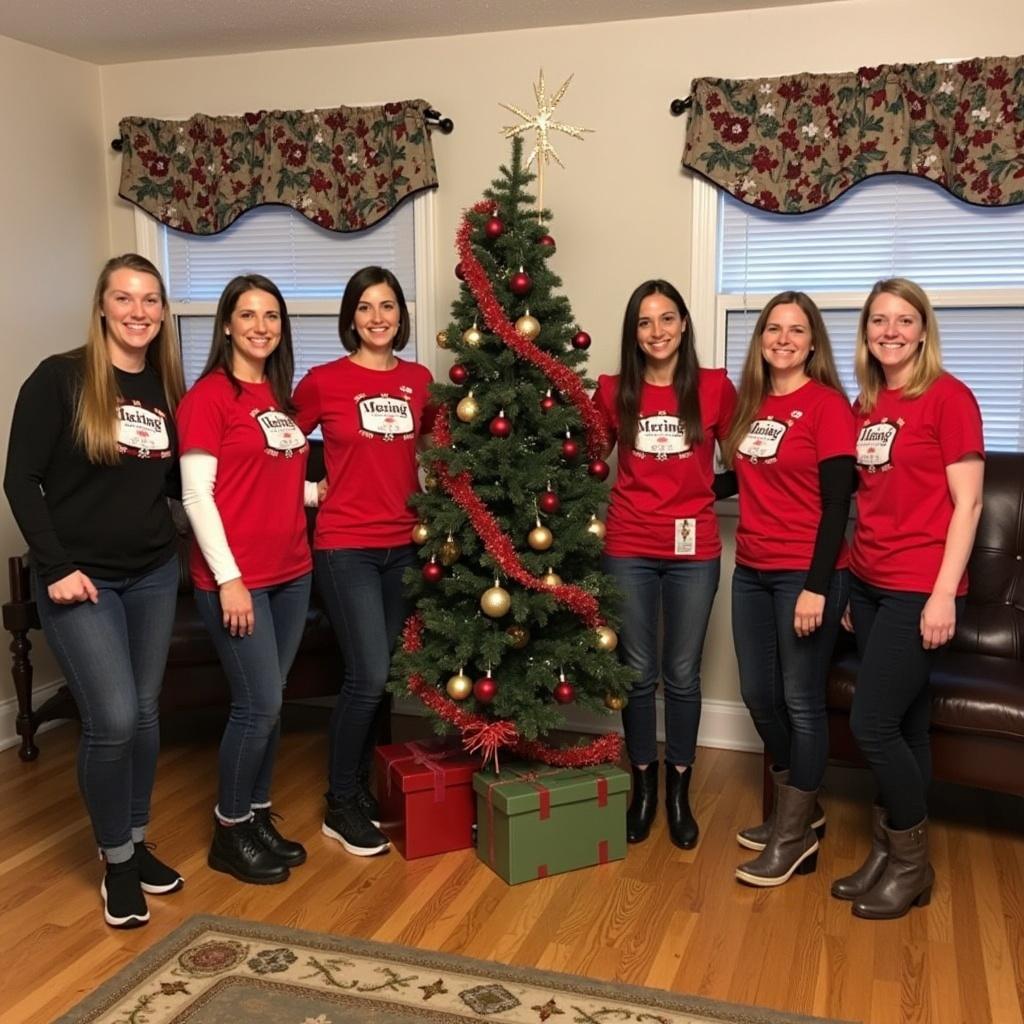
92,454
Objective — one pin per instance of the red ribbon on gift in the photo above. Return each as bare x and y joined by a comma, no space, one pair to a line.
427,758
530,778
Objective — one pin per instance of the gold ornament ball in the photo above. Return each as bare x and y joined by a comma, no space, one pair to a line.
614,702
540,538
468,409
528,326
459,687
607,639
551,579
519,635
596,527
442,339
449,552
495,602
420,533
472,337
430,483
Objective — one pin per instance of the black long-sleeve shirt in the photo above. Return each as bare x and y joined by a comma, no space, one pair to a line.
107,521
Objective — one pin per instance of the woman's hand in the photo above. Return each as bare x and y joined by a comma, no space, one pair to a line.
73,589
847,619
321,490
938,621
810,607
236,607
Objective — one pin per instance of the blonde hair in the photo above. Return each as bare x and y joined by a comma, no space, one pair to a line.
928,360
96,407
756,379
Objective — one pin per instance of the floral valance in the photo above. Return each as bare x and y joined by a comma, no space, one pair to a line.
344,168
794,144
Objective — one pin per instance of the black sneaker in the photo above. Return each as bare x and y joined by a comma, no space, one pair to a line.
346,822
237,851
367,802
291,853
154,875
124,905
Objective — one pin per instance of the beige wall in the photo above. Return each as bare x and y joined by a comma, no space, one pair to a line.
53,226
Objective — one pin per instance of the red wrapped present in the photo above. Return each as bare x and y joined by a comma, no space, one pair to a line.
425,791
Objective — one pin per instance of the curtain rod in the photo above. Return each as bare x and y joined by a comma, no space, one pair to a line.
445,125
680,106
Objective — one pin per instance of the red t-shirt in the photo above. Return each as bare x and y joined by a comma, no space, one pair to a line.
777,470
261,469
371,420
662,504
903,503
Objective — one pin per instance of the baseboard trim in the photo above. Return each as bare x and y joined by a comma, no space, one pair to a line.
9,714
724,724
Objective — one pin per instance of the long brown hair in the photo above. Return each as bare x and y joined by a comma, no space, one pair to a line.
928,365
756,380
96,406
280,364
633,362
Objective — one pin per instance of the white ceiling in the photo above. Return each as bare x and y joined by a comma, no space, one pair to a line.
120,31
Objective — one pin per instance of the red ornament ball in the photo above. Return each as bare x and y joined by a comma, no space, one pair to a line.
520,283
547,403
581,340
570,449
494,228
459,272
484,689
433,572
500,426
598,468
564,692
548,502
458,374
547,241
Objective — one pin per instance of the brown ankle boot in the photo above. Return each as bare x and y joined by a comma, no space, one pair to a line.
792,846
863,879
907,879
755,837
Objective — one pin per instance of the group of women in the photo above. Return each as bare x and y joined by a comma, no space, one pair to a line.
97,439
911,447
99,433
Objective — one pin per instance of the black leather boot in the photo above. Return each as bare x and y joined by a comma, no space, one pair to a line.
285,850
682,826
236,850
644,804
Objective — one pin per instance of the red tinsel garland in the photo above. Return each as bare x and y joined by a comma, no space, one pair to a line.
567,382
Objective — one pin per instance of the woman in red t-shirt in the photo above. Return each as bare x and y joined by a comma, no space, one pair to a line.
662,544
373,408
920,456
243,469
791,445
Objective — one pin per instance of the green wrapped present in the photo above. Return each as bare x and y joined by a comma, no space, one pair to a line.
534,820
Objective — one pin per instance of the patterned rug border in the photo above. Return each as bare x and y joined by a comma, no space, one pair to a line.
114,988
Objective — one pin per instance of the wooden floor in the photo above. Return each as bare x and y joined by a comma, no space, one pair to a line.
663,917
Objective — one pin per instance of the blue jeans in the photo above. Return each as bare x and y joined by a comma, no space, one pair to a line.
783,676
257,670
891,711
365,599
683,592
113,654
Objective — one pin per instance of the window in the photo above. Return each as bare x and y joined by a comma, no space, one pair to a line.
310,266
970,260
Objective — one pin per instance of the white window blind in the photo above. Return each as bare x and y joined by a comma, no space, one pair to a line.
969,259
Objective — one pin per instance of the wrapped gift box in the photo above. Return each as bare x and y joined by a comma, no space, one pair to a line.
425,791
535,821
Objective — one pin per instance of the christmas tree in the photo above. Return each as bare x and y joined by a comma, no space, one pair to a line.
512,620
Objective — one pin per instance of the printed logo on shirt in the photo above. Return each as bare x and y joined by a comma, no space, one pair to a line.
384,416
874,445
764,439
280,434
142,432
662,436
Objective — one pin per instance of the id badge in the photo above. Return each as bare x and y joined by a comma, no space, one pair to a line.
686,536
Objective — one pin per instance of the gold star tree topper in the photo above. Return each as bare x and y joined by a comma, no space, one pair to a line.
543,123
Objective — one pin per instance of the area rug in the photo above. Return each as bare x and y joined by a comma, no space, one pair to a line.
217,970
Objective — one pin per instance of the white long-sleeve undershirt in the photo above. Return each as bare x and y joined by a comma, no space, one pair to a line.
198,479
